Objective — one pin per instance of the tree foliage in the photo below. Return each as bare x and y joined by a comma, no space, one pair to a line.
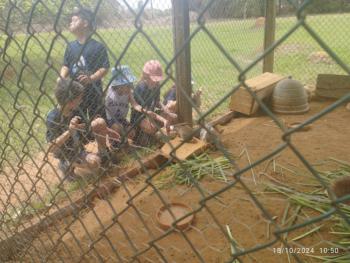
44,12
255,8
328,6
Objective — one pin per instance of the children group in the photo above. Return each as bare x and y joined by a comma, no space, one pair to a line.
85,113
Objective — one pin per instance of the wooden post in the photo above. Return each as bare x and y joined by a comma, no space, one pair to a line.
181,23
270,28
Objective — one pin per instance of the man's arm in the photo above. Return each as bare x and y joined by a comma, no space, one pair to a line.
64,73
98,75
101,62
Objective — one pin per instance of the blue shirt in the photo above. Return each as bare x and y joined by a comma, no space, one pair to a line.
56,125
170,95
85,58
147,97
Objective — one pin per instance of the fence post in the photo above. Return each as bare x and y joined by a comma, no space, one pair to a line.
269,39
181,23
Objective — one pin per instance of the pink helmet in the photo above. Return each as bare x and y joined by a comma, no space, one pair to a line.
153,69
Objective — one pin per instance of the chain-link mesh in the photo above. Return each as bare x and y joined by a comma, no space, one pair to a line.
262,192
302,56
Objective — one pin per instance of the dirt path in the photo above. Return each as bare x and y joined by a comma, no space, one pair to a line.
125,225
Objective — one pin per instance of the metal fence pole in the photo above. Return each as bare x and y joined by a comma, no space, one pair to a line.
181,21
270,28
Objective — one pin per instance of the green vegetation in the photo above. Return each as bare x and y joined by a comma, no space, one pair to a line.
315,198
190,172
30,64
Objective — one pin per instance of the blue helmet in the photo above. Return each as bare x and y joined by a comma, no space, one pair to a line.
122,75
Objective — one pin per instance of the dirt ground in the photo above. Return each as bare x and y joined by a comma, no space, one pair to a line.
124,227
29,179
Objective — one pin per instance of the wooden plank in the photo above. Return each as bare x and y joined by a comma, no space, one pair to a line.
332,86
223,119
262,86
186,150
153,161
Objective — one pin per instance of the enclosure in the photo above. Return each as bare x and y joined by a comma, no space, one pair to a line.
259,191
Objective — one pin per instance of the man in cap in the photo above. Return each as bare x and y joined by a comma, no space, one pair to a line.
86,61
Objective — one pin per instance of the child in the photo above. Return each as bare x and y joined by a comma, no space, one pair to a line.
65,131
118,98
147,94
86,61
168,106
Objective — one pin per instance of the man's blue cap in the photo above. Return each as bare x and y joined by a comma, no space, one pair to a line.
122,75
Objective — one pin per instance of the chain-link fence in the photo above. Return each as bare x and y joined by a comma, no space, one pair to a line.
303,57
257,191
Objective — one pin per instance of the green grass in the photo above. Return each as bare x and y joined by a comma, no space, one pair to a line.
190,172
26,89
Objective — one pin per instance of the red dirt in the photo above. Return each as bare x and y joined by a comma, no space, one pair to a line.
34,174
125,224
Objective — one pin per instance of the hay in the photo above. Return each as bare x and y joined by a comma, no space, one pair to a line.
259,22
320,57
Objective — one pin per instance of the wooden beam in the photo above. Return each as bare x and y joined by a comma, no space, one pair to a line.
181,23
223,119
269,39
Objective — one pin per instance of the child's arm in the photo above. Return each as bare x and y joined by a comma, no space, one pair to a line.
74,125
139,108
133,102
150,114
55,144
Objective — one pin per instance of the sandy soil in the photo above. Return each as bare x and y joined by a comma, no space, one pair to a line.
29,179
124,227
